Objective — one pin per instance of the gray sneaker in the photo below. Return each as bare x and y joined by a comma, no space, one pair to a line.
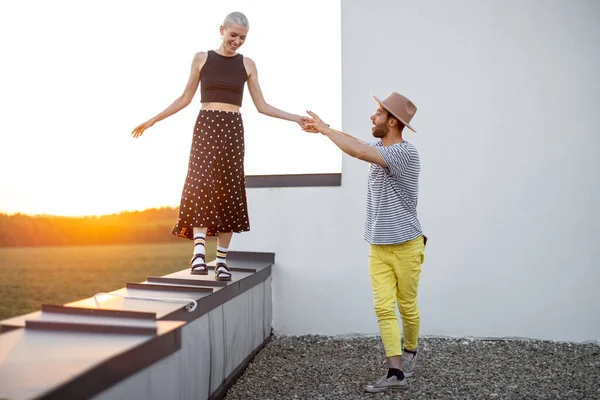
384,383
409,363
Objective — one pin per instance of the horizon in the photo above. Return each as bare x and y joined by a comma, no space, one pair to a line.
176,207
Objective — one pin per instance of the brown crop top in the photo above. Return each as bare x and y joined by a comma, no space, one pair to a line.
222,79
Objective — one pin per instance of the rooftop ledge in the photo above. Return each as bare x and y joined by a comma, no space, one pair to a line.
293,180
198,332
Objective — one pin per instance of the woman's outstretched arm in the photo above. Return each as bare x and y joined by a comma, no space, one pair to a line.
182,101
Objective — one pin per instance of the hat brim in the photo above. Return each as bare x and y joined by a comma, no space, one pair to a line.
394,114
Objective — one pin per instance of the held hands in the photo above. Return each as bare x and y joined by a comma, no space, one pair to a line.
139,130
314,124
302,121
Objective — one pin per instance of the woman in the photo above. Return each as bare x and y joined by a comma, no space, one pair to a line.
213,200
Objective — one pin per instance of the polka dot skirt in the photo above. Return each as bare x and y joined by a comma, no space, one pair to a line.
214,193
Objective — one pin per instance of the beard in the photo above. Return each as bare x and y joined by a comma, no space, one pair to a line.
379,131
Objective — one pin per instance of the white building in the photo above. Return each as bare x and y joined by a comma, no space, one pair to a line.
507,95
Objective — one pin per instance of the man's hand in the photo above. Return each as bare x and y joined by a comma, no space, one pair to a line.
315,125
309,126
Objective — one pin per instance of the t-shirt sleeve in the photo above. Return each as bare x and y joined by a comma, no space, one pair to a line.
397,157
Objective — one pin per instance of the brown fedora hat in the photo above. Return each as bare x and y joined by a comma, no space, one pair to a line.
400,107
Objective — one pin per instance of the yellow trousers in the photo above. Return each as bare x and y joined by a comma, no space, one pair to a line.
394,270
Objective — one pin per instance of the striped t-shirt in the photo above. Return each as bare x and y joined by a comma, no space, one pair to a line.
392,193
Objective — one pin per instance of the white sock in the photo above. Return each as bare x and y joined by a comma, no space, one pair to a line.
221,259
199,248
221,255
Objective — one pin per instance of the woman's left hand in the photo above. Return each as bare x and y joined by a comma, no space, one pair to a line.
302,121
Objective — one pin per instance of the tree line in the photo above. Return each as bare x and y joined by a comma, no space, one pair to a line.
148,226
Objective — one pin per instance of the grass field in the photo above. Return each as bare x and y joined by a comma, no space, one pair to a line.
32,276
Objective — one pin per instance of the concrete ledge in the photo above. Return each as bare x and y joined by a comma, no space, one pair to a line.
115,345
298,180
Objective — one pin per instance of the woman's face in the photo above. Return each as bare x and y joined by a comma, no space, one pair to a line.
233,37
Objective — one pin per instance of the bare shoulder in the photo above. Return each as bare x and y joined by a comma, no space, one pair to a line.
200,59
250,65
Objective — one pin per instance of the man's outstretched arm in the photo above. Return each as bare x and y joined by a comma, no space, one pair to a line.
348,136
347,143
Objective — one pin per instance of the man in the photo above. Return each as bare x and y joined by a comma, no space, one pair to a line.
392,229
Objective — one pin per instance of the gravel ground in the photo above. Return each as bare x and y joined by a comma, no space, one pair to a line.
313,367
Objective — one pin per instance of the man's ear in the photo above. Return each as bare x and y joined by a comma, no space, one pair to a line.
396,123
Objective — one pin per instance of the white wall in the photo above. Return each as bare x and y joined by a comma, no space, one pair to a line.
507,95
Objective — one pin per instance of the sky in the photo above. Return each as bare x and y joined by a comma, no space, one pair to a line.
76,78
